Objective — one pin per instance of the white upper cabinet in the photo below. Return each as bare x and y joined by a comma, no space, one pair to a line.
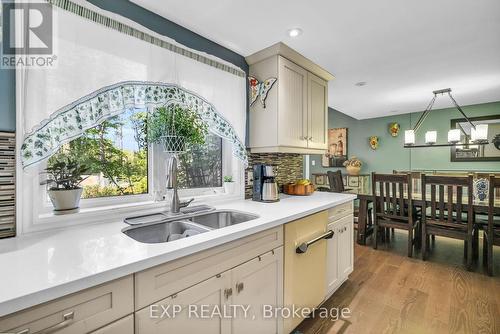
295,116
317,112
292,101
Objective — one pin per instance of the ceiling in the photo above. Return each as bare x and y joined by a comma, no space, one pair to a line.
403,49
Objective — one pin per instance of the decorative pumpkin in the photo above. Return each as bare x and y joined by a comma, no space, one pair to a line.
394,129
374,142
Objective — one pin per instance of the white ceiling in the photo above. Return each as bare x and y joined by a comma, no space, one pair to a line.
403,49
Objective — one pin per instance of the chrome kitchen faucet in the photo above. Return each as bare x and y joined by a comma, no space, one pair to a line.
176,205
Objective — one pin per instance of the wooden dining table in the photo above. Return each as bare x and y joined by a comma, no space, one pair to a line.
365,197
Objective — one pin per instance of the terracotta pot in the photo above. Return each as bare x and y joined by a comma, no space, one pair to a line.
352,170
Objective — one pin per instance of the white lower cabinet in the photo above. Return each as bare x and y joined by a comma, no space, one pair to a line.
332,266
79,313
346,247
258,284
216,304
214,293
122,326
340,253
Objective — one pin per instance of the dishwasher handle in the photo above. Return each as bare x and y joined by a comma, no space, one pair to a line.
302,248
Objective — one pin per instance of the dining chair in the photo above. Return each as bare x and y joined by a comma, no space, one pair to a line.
393,206
446,216
336,182
491,231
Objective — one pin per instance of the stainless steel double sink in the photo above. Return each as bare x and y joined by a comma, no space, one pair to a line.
159,228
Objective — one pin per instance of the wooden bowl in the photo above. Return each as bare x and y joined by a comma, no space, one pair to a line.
298,189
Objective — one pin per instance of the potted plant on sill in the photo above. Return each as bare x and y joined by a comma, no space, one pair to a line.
65,192
175,127
228,184
353,166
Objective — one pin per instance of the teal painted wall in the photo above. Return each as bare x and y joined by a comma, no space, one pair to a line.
7,99
391,154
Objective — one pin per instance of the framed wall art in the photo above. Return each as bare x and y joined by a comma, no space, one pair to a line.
337,148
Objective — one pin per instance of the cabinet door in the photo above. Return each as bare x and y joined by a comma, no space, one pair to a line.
317,112
292,104
122,326
212,293
257,283
345,247
332,264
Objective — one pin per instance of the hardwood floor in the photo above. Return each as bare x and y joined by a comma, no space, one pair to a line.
391,293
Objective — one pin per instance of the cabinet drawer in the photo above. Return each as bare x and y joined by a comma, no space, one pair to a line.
159,282
122,326
340,211
81,312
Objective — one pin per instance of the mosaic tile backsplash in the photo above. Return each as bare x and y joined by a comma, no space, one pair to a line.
288,167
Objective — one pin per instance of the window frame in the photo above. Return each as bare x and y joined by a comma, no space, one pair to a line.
32,216
39,215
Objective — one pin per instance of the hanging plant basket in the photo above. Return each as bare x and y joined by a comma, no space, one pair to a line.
176,128
173,144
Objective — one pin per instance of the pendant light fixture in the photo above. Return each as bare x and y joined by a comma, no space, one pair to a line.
478,134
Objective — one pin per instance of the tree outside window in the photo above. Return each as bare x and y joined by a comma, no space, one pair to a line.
116,152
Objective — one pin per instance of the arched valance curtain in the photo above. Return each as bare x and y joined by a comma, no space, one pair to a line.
72,120
101,72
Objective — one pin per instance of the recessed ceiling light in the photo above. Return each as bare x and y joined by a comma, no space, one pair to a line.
294,32
361,83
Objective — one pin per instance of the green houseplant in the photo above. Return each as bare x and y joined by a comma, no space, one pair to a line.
228,184
175,127
65,177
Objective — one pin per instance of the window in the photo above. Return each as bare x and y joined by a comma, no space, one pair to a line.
121,163
201,166
115,153
126,175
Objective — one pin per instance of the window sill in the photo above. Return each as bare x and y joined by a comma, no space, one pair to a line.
119,212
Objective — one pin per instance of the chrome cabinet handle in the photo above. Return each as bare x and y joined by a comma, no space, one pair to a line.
67,320
228,293
239,287
305,245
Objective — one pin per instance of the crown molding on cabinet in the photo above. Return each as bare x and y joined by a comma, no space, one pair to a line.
287,52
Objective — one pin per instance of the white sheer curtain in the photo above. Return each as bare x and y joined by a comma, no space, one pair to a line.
91,56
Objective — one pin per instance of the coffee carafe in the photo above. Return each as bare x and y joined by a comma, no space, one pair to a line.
265,188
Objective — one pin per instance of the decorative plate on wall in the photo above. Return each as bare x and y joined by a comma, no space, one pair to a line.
374,142
394,129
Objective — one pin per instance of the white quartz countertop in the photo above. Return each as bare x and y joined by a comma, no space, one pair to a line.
36,268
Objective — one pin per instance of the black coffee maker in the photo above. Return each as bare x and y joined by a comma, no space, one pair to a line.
265,188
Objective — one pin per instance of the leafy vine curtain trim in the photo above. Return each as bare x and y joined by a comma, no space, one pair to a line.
73,120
